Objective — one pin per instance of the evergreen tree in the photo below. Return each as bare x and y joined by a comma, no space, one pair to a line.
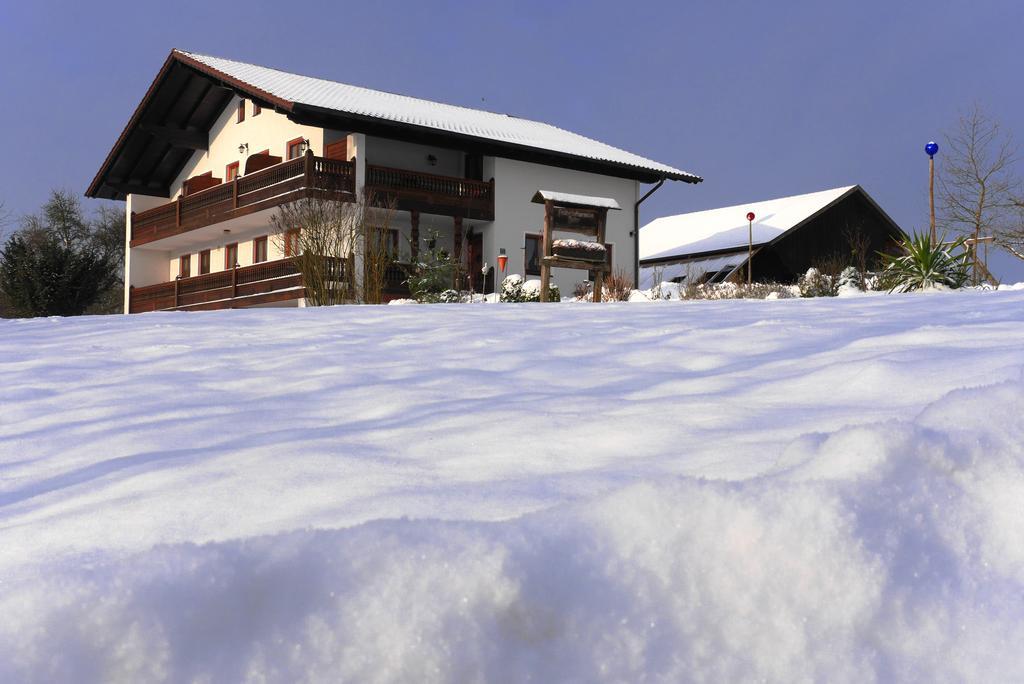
57,264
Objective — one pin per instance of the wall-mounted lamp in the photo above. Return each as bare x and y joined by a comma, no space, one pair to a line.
304,147
432,160
243,148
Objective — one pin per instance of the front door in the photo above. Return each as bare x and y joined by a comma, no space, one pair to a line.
476,261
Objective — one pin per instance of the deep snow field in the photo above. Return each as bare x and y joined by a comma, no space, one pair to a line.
793,490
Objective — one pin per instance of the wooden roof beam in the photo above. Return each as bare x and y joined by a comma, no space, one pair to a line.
193,140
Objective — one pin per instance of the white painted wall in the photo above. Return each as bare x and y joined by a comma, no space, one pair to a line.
403,155
515,183
141,267
267,131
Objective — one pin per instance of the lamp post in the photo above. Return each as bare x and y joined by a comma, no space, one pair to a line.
930,149
750,247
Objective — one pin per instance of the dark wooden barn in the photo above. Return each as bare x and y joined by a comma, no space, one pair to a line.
788,236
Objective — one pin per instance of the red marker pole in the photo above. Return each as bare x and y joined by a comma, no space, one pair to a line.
750,247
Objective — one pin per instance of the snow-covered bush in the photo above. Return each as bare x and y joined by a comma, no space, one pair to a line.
732,291
924,266
814,283
851,279
449,297
531,292
515,289
512,288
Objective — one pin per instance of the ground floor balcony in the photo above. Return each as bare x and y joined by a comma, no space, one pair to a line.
271,282
311,176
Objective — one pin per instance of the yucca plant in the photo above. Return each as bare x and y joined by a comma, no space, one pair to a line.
923,265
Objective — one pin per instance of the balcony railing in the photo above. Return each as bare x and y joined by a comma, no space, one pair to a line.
241,286
445,195
285,182
270,281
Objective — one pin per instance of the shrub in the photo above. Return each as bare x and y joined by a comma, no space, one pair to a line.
923,265
449,297
432,273
514,289
850,279
814,283
617,287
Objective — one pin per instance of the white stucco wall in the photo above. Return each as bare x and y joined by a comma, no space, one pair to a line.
412,157
515,215
267,131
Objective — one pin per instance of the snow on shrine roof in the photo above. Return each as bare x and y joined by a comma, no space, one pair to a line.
569,198
726,228
354,100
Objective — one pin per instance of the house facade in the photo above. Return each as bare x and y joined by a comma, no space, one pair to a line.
217,146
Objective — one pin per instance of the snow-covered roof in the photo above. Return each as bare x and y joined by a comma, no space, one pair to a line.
726,228
690,271
354,100
569,198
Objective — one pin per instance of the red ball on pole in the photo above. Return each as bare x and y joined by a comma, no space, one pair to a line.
750,216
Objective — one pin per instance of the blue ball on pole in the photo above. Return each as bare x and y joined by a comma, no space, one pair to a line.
931,148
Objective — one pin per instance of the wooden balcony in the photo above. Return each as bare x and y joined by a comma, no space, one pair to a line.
432,194
306,176
270,281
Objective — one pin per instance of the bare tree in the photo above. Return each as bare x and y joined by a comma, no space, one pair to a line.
331,241
1011,238
977,182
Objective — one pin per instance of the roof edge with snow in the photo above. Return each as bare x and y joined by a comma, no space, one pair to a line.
303,100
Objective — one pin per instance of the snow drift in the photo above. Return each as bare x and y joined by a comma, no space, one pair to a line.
867,532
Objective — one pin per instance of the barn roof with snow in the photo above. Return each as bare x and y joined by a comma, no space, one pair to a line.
789,235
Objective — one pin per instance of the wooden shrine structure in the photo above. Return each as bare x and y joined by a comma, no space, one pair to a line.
580,214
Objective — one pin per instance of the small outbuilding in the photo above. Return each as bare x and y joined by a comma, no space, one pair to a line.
789,235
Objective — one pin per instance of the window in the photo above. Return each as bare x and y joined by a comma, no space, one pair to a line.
291,242
230,255
241,111
531,259
204,262
259,250
294,148
256,109
185,265
387,242
231,172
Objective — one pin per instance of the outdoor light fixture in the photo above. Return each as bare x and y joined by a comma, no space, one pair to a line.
243,148
305,145
432,160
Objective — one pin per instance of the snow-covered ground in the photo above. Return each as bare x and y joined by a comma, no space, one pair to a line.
788,490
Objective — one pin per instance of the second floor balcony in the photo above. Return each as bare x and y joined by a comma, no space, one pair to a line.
288,181
312,176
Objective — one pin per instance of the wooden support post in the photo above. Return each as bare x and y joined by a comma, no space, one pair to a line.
234,193
602,214
176,281
545,268
177,212
307,168
414,234
457,248
234,281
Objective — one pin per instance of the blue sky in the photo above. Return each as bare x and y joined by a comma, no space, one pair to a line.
762,99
